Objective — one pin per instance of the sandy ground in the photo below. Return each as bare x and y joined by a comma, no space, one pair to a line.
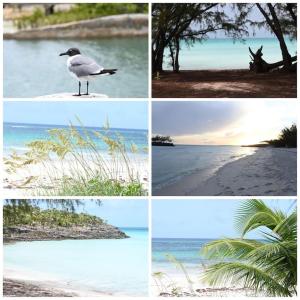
31,288
19,288
224,84
268,172
164,286
14,182
25,284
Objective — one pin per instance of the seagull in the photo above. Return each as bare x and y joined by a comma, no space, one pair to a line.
84,68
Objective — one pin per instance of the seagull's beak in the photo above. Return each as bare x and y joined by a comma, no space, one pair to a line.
65,53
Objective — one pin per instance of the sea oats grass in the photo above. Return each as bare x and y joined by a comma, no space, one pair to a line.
71,164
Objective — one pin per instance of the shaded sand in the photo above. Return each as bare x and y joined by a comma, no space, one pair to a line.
224,84
49,176
268,172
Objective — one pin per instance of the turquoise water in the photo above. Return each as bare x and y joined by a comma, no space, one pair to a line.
186,251
225,54
171,164
109,266
17,135
34,68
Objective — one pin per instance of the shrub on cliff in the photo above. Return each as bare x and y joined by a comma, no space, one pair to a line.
17,215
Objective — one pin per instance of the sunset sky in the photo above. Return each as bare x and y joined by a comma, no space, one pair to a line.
222,122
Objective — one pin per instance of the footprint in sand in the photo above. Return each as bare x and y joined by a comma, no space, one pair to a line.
269,191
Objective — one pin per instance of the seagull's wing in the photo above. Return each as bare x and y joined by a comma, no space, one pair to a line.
84,66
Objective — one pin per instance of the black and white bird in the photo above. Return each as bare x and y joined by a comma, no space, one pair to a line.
84,68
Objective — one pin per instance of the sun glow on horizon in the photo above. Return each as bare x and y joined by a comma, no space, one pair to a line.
259,121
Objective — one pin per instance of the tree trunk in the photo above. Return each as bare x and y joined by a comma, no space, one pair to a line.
172,56
284,50
158,57
259,65
276,28
177,48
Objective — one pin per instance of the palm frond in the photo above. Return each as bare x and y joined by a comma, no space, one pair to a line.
255,213
248,275
230,248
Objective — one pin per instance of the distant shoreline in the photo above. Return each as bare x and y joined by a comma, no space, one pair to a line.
230,83
26,233
125,25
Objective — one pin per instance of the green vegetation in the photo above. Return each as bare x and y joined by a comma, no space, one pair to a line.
174,24
268,267
80,11
73,165
287,138
15,215
159,140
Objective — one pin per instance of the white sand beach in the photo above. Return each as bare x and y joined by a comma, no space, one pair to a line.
43,176
197,287
268,172
30,285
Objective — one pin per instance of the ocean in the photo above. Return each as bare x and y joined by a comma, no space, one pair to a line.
17,135
33,67
109,266
226,54
171,164
185,250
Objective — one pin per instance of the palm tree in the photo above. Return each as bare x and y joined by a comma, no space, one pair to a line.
268,266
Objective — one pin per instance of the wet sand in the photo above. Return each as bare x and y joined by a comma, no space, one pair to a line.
268,172
21,288
224,84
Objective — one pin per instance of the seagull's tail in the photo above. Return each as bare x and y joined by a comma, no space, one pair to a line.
106,71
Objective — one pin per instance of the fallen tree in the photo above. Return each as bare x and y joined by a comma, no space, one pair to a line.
259,65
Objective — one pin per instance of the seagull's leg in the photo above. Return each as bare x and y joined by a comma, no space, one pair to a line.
79,90
87,88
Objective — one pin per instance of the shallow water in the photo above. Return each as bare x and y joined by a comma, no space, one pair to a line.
109,266
34,68
17,135
226,54
170,164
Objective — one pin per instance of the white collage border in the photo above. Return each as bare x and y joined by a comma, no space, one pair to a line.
149,101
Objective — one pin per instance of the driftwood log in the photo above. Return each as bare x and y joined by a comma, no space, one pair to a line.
259,65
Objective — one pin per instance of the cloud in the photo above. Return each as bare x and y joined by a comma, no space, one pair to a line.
190,117
222,122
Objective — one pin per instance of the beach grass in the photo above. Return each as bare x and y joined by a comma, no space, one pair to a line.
97,186
71,164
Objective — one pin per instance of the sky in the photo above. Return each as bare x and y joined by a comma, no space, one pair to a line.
255,15
222,122
120,213
121,114
205,218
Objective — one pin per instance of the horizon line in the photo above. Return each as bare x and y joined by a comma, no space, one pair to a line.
205,145
67,125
